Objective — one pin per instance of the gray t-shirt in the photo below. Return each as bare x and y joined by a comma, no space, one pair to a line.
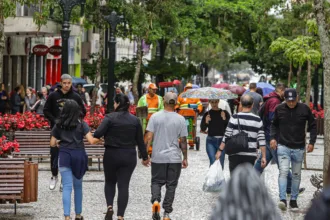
257,99
167,127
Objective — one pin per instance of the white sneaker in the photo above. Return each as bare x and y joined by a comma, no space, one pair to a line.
53,182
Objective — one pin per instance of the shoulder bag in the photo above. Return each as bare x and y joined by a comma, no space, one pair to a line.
238,142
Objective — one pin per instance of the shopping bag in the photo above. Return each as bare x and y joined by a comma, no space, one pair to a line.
214,179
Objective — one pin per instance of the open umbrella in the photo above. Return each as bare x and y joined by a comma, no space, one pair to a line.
266,87
221,86
238,90
176,82
194,86
209,93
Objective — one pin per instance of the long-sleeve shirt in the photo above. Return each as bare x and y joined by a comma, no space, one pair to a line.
289,126
30,101
217,126
122,130
250,124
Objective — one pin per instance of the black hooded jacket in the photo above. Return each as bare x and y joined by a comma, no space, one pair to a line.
55,103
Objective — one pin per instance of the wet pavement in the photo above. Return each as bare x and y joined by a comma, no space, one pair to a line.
191,203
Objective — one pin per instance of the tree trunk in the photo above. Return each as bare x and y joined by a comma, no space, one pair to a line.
98,70
2,38
309,82
290,74
137,71
325,48
298,80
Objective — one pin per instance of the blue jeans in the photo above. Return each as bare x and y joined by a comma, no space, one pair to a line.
286,156
68,179
212,145
272,154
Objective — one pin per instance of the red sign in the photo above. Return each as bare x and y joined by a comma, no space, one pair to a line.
55,50
40,50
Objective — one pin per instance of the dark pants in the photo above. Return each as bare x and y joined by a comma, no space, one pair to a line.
236,160
119,165
165,174
54,151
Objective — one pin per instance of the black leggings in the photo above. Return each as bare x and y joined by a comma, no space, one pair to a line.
119,165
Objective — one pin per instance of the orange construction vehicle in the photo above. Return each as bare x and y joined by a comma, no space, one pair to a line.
189,108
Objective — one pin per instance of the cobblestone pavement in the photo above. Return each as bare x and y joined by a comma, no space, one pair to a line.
191,203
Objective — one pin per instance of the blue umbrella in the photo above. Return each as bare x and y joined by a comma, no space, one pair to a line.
266,87
76,80
194,86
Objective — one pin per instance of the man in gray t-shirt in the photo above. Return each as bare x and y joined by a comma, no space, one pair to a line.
165,129
257,98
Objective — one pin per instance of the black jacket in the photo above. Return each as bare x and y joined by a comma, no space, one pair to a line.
217,126
288,126
55,103
15,103
122,130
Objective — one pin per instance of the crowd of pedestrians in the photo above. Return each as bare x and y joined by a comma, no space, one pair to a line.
274,125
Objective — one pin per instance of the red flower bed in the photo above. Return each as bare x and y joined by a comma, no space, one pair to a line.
6,147
317,114
27,121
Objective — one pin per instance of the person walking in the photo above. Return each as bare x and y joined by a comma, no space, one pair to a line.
15,100
214,122
257,98
52,112
271,101
289,125
3,99
30,99
245,197
81,93
153,101
165,128
69,131
250,124
38,107
122,131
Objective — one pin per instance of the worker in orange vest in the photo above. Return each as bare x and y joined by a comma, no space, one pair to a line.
186,111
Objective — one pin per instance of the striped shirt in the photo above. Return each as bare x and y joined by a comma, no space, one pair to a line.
250,124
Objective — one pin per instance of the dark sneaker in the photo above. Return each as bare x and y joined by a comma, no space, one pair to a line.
166,216
109,214
81,218
156,211
191,147
282,205
293,204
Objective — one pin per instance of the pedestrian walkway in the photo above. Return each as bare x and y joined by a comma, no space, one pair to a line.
191,203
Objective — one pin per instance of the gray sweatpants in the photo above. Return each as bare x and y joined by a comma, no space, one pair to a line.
164,174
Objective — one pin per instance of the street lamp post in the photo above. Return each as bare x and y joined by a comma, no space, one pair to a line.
113,19
67,6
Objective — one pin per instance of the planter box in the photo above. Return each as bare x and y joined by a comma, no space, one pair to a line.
30,193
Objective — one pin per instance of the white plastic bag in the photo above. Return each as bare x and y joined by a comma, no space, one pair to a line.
214,179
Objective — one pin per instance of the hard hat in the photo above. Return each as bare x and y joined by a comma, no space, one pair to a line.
189,85
152,86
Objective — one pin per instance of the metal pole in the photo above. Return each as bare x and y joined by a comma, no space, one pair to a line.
111,71
67,6
113,19
203,76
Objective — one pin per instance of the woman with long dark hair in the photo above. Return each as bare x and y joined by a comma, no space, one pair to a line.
122,131
70,131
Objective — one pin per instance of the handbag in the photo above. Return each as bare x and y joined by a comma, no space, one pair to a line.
238,142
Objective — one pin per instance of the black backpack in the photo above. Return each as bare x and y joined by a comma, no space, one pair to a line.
262,108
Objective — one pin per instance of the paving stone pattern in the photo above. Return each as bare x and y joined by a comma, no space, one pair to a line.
191,203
